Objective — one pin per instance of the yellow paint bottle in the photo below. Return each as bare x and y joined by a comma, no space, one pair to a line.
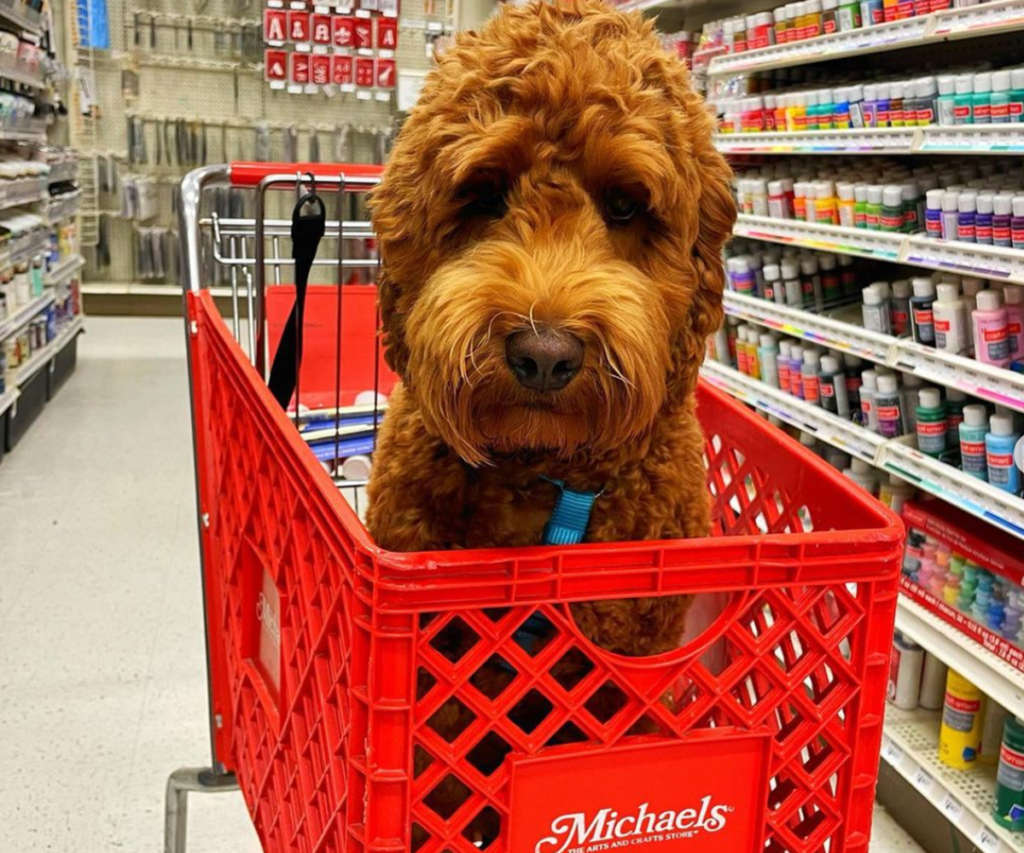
963,718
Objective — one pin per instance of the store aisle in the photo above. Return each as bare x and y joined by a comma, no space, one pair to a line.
101,638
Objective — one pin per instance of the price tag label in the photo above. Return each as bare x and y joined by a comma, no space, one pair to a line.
987,841
891,753
951,808
922,781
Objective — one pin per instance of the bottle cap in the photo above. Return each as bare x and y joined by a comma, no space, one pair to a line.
855,93
789,269
892,196
767,341
1000,425
1017,78
887,383
970,285
852,362
796,352
1013,294
1002,205
933,199
859,466
779,13
983,82
775,188
1018,205
811,7
827,262
770,272
882,91
946,83
828,5
811,357
947,292
844,190
976,415
965,201
784,349
901,289
809,265
829,364
964,84
825,189
923,287
871,296
860,192
911,191
883,289
989,300
1001,80
870,92
869,380
984,201
897,89
875,194
954,395
949,201
929,398
925,87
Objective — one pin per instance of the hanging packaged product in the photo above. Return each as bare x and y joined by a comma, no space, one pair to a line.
963,716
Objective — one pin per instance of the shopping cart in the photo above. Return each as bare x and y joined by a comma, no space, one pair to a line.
332,663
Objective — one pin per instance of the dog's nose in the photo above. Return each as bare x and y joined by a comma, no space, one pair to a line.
544,360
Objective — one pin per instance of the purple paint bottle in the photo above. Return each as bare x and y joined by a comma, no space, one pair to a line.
1017,223
1001,233
933,213
983,218
965,220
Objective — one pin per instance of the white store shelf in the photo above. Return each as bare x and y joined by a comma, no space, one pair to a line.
20,317
989,672
910,744
64,270
962,139
916,250
952,371
988,19
8,399
17,16
42,356
896,456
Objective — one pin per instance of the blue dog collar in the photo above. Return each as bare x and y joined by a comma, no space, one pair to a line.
568,523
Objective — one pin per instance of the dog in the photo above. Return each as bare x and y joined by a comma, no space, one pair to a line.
550,225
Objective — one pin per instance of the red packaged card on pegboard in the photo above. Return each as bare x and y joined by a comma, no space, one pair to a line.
321,69
385,73
387,33
275,26
321,29
276,64
344,31
364,72
299,25
363,32
301,68
341,70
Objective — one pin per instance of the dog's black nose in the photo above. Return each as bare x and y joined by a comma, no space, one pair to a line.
544,360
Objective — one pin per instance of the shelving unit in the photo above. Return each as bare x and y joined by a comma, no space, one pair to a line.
45,354
989,19
22,19
20,317
980,139
8,399
839,331
964,797
916,250
64,270
896,456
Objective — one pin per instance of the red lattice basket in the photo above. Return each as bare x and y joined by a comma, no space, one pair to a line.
372,701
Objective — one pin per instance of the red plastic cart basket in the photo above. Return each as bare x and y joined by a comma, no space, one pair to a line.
335,677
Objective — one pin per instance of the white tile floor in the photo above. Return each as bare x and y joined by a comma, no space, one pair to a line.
102,681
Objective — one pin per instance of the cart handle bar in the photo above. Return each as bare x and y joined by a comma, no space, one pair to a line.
253,174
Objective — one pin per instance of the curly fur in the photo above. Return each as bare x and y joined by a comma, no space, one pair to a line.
550,109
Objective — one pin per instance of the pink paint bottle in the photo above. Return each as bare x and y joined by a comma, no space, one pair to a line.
1013,297
991,341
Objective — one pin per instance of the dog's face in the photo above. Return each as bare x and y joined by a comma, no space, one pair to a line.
551,223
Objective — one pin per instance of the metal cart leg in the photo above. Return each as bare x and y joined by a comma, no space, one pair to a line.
179,784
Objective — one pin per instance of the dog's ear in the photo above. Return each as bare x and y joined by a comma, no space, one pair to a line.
717,214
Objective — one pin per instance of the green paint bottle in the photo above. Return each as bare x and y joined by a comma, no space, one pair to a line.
1009,808
931,422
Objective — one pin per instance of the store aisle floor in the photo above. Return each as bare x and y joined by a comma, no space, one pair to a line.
102,674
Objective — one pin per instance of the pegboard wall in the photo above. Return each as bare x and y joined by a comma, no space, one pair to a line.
183,84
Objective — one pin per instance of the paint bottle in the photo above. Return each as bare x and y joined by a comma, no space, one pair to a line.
963,714
905,666
966,209
984,207
1009,805
773,287
1013,301
791,283
933,213
882,93
825,212
741,278
1016,94
860,206
950,214
922,322
782,365
912,384
973,430
852,366
875,311
963,98
927,92
931,422
1017,223
899,308
873,208
810,284
796,376
831,286
897,94
855,99
887,405
848,276
800,199
999,100
872,12
781,25
813,110
868,400
809,375
949,313
944,102
933,683
891,218
1002,234
989,319
999,444
981,99
778,201
742,357
862,474
870,105
844,191
913,208
767,354
832,387
955,403
848,16
894,493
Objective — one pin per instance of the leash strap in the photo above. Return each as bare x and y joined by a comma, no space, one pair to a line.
307,232
568,523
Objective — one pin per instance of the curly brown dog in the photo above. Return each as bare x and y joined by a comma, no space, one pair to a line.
551,223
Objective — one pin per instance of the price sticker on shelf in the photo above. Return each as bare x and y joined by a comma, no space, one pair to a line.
922,781
987,841
951,808
891,753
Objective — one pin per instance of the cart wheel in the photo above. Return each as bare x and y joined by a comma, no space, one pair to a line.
179,784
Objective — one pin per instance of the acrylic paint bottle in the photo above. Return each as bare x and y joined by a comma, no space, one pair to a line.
926,91
899,308
870,105
772,282
931,422
831,285
950,214
999,100
873,208
955,403
963,99
984,208
999,445
791,283
1013,301
949,313
1002,221
883,93
981,99
888,406
1017,222
965,216
963,714
796,376
809,372
913,208
922,322
767,354
989,319
905,665
860,206
944,102
832,387
1017,94
868,395
855,99
897,93
848,276
875,311
933,213
852,366
891,218
1009,806
912,384
782,365
972,441
844,190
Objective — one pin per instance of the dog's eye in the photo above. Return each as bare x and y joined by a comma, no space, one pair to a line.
484,197
620,207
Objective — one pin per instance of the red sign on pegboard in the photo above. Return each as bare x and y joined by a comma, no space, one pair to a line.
341,70
275,26
321,29
299,26
344,31
363,32
387,33
364,71
321,69
385,73
276,64
301,69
